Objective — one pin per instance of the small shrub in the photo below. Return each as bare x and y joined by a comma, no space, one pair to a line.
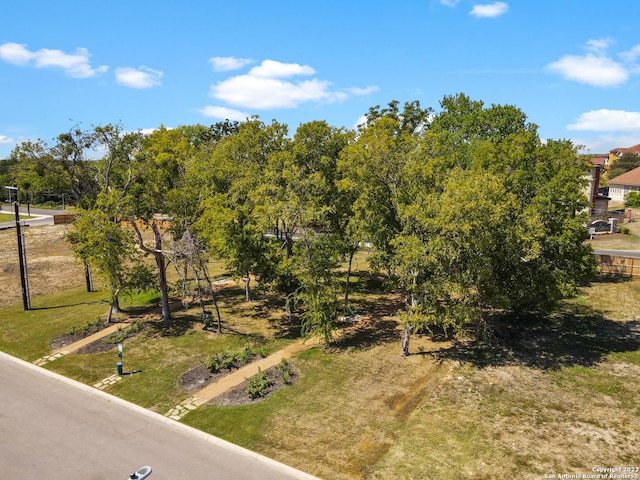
245,355
632,199
122,333
86,329
287,371
220,361
263,352
625,230
258,385
207,318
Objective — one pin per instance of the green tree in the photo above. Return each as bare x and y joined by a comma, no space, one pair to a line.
42,172
230,224
473,216
101,243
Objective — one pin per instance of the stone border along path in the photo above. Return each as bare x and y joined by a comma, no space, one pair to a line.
234,379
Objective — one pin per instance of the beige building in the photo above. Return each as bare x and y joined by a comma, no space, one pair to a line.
623,184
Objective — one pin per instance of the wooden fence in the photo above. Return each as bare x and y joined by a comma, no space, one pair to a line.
63,219
618,265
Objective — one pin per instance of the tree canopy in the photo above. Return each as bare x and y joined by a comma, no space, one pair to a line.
466,210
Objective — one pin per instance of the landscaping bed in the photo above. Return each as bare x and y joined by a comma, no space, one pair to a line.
277,380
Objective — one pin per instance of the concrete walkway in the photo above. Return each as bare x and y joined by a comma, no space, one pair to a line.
73,347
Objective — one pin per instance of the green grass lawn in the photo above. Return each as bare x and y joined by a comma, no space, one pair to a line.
561,395
6,217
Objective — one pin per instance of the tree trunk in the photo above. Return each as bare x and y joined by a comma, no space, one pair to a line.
160,265
199,290
247,291
114,307
406,337
214,298
346,285
87,277
162,273
289,308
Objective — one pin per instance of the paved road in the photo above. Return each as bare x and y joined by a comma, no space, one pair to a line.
52,427
42,216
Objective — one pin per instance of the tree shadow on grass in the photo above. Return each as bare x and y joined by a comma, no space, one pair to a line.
372,325
365,282
285,328
51,307
610,278
575,335
175,327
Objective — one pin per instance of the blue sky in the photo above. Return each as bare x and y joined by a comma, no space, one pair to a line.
573,66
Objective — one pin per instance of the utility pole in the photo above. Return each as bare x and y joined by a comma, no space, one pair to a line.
22,258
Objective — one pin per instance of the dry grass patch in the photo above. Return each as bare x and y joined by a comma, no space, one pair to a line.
50,263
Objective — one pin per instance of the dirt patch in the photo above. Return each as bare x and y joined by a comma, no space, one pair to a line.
238,396
51,265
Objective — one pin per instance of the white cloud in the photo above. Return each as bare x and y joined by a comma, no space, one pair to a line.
224,113
4,140
489,10
264,93
273,69
604,120
630,55
361,122
598,45
142,77
15,53
149,131
272,85
604,143
224,64
361,91
75,64
449,3
595,70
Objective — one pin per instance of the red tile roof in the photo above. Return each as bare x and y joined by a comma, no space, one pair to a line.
632,177
621,151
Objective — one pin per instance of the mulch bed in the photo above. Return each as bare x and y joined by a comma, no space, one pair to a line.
237,396
94,347
200,376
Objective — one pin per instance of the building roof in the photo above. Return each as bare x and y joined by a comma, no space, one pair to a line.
622,151
632,177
